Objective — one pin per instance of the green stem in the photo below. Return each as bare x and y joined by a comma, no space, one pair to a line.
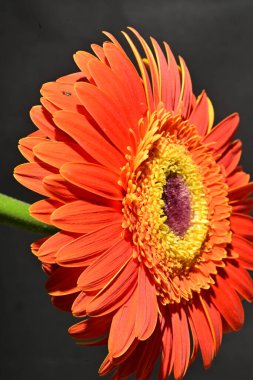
16,213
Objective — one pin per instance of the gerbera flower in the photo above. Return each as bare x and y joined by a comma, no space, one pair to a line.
155,238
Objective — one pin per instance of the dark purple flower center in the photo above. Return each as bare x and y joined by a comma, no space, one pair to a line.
177,205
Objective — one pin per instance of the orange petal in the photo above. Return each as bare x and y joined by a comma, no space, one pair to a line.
60,189
111,84
149,354
122,333
99,51
62,95
91,329
63,281
93,178
79,306
57,153
116,293
50,107
181,342
26,146
237,179
147,307
31,176
105,267
231,158
240,280
223,133
203,332
43,120
43,209
79,128
243,205
71,78
240,192
242,224
85,249
48,250
200,114
106,367
214,320
195,341
84,217
167,351
244,249
164,75
82,58
156,84
35,246
174,77
228,303
186,89
106,113
124,68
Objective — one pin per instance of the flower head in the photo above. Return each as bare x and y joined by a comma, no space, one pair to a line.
155,238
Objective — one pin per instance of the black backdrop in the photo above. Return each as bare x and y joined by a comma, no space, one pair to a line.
38,38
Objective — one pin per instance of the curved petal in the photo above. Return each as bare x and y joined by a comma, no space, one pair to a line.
106,113
242,224
231,157
94,178
200,114
180,341
43,209
85,249
43,120
63,281
84,217
60,189
244,249
228,303
57,153
115,294
174,77
202,331
156,85
122,333
147,307
167,351
103,270
71,78
240,192
31,176
62,95
48,250
223,132
123,67
240,280
91,329
26,146
164,75
186,90
118,90
79,128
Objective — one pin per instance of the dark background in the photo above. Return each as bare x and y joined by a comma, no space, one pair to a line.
38,38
